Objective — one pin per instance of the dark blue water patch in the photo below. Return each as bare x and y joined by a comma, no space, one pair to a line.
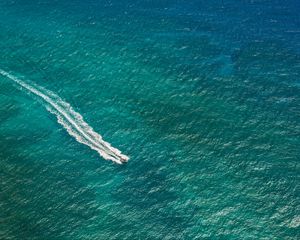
270,68
240,22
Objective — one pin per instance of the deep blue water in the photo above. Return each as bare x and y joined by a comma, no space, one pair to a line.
203,96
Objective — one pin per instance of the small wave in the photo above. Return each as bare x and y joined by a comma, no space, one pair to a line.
72,121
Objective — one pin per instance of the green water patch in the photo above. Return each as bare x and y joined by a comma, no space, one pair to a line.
40,201
8,108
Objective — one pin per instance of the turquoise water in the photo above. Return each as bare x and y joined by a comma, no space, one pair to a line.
203,97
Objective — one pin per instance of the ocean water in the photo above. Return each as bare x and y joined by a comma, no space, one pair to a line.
203,96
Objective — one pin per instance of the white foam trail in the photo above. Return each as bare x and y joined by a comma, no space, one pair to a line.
72,121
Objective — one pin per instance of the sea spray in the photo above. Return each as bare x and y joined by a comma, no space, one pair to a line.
71,120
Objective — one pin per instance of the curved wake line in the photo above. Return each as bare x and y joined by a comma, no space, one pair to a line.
72,121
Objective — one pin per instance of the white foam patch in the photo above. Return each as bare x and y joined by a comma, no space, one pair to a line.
72,121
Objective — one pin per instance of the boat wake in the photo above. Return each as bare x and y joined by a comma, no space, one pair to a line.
71,120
